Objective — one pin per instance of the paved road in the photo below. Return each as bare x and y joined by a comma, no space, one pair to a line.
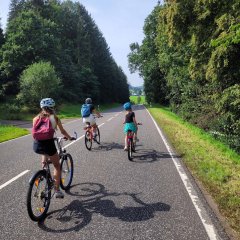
111,198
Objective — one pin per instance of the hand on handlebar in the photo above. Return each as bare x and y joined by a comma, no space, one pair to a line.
71,138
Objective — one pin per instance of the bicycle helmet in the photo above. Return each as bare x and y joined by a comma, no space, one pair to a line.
127,106
47,102
88,101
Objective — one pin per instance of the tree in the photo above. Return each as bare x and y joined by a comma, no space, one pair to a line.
29,38
2,92
144,59
16,6
39,81
64,34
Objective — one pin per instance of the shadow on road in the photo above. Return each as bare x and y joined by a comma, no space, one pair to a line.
150,155
93,198
104,146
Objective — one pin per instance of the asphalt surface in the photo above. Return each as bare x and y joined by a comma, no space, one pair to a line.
111,198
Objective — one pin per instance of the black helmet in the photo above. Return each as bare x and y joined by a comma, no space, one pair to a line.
88,101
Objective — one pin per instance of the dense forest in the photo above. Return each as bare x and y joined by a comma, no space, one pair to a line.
189,60
53,48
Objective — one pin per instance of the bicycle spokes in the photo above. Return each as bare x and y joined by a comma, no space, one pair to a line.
38,197
66,171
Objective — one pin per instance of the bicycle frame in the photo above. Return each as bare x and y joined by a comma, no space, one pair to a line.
130,135
89,128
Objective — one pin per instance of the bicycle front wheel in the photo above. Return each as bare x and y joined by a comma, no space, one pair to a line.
88,140
38,196
130,149
97,138
66,171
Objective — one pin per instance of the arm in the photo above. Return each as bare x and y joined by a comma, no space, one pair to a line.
62,130
96,112
134,119
135,122
34,120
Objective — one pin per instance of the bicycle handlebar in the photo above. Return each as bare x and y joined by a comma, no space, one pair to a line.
59,139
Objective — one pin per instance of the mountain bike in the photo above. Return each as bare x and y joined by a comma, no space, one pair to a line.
131,143
41,183
89,135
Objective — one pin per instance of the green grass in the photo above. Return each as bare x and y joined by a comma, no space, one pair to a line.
134,99
210,161
73,110
10,132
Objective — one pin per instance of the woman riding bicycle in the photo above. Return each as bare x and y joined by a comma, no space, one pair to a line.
130,122
47,147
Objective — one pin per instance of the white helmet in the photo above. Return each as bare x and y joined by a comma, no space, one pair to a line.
47,102
88,101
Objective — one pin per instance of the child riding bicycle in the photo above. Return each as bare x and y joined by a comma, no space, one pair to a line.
87,111
44,126
130,122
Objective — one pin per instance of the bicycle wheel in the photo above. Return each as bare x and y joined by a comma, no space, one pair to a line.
130,148
88,140
133,146
38,196
66,171
97,138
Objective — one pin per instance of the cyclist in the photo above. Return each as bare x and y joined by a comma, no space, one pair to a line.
130,122
47,147
91,119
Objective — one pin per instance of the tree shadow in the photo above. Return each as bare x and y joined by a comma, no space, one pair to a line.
93,198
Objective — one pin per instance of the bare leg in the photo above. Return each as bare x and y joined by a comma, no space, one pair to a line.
44,159
57,172
126,141
94,126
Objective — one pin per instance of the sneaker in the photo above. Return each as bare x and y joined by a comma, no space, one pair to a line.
125,149
59,194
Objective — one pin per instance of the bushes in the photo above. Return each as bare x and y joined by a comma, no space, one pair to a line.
38,81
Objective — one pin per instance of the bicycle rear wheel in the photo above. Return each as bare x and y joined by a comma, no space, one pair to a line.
66,171
88,140
38,196
97,138
130,149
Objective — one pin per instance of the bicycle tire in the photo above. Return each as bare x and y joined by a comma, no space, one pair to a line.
133,146
88,140
130,149
66,164
97,138
44,195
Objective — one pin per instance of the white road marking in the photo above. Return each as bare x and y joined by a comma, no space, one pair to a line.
101,125
73,141
13,179
24,172
202,213
110,119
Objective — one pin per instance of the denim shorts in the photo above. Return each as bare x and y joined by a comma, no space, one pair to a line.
45,147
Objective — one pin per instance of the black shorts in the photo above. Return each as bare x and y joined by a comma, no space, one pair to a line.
45,147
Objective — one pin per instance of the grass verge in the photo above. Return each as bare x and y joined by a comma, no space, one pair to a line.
137,100
73,110
10,132
211,162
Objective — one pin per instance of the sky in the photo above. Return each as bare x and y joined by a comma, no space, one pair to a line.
121,23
